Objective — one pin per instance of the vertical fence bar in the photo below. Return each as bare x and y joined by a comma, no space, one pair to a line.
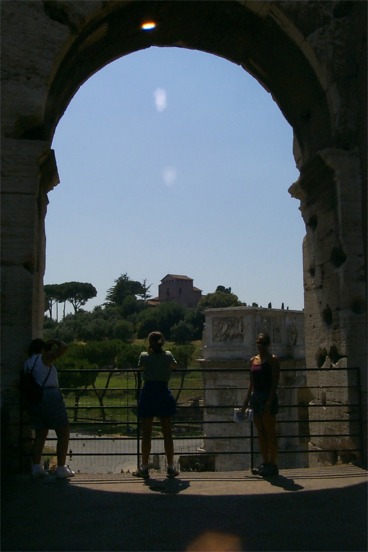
360,417
356,428
251,447
139,381
21,439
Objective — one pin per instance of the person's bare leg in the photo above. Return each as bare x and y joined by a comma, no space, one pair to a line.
168,439
269,424
63,434
38,445
262,438
146,424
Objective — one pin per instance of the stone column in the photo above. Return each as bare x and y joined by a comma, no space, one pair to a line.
228,344
225,384
331,196
29,172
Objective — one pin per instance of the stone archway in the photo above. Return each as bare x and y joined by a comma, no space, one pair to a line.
310,55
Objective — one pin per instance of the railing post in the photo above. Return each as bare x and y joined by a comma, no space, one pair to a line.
360,418
198,423
139,381
21,438
251,447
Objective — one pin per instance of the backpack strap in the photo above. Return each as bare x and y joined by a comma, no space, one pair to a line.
26,371
47,377
48,374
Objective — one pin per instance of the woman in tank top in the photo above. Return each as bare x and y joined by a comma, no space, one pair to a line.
262,398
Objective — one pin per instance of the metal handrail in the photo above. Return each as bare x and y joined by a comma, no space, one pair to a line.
355,434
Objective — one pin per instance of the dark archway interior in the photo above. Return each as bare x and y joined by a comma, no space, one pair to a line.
227,29
311,56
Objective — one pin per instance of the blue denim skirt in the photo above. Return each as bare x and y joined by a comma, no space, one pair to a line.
155,399
50,412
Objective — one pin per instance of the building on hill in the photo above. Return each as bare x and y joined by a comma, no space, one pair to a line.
178,289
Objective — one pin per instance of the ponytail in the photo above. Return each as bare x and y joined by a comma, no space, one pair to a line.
156,341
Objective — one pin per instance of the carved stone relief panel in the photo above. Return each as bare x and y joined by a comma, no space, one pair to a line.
292,333
276,330
229,328
227,396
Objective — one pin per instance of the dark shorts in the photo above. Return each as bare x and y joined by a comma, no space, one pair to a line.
155,399
258,400
50,413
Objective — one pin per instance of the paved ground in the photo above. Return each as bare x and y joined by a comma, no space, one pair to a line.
315,509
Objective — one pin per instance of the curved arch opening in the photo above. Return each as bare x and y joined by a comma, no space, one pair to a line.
173,161
256,36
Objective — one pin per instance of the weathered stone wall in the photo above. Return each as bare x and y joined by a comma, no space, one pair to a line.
225,384
310,55
334,276
334,417
229,341
319,414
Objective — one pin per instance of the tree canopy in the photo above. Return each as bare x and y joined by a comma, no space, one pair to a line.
77,293
125,287
127,315
219,299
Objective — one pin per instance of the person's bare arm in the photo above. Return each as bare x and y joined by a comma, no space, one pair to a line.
57,348
249,391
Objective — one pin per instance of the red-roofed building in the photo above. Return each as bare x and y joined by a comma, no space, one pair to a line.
179,289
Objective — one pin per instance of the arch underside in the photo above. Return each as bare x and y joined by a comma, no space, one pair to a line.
270,41
226,29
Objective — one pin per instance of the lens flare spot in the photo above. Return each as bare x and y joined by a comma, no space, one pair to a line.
148,25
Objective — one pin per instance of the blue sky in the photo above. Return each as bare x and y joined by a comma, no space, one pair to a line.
176,161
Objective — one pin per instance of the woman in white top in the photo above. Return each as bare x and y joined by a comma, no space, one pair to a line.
50,412
156,400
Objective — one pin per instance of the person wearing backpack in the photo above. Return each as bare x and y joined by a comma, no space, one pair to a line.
49,412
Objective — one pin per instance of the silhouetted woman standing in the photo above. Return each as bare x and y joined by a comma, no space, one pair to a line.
156,400
50,412
262,398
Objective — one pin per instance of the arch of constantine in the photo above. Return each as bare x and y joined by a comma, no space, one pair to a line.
311,56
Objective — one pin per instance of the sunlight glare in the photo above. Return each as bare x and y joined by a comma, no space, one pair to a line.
148,26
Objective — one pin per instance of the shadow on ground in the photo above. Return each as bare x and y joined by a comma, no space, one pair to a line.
168,515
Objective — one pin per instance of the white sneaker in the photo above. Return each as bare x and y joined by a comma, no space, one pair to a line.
38,471
64,472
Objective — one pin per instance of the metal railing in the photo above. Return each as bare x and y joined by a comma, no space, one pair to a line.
320,415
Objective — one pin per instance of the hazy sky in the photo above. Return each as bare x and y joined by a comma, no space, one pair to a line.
176,161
